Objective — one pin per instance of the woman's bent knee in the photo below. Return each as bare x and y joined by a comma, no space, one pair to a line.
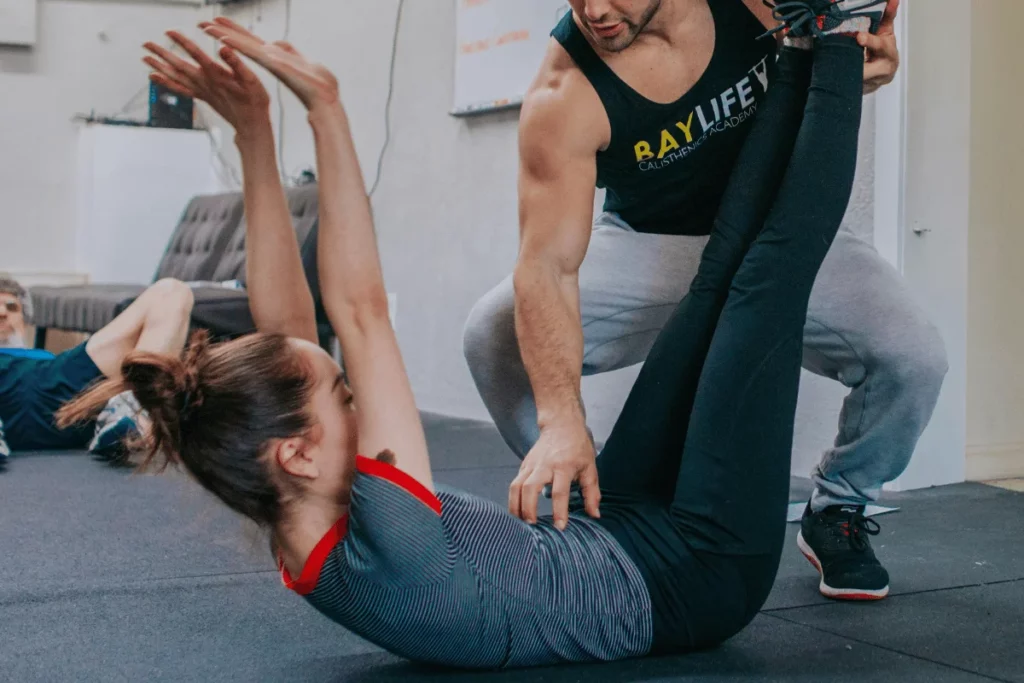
172,297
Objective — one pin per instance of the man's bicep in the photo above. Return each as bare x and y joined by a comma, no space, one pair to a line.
558,174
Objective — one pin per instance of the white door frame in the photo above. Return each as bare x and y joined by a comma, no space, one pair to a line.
890,156
922,129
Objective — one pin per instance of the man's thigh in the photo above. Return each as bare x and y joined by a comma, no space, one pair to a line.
630,283
860,311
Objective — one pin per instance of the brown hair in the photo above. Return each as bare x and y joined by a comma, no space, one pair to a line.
214,411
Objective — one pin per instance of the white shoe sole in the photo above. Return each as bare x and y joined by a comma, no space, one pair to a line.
837,593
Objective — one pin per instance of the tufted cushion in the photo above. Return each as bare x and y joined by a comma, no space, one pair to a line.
304,209
208,246
206,227
80,309
227,313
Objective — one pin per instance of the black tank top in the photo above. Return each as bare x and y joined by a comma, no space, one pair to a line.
667,165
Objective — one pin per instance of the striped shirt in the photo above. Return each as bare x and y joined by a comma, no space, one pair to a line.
455,580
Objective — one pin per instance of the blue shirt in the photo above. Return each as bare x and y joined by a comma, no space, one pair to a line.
456,580
33,354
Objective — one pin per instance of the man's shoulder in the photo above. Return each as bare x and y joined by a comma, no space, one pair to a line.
557,73
562,102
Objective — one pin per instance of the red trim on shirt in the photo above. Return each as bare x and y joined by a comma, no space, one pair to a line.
306,583
376,468
307,580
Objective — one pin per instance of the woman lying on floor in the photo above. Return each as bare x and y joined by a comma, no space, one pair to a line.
694,478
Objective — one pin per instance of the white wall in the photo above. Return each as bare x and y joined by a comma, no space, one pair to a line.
87,58
936,200
995,377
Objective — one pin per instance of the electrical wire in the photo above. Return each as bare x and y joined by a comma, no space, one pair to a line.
280,98
391,91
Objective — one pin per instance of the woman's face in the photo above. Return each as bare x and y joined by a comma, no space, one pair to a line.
334,440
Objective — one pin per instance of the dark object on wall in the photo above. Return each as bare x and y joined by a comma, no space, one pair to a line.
168,109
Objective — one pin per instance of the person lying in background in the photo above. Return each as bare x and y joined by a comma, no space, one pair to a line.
34,384
694,481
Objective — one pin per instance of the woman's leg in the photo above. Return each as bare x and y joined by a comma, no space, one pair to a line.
732,489
641,457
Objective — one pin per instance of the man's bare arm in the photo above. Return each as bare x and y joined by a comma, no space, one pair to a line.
562,128
558,172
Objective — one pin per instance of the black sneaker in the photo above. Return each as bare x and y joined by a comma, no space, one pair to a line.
836,542
817,18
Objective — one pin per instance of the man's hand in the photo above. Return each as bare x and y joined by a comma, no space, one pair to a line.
883,56
560,456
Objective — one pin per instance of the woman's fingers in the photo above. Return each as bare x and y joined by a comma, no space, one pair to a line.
287,47
226,23
189,73
173,85
246,46
162,68
243,74
209,67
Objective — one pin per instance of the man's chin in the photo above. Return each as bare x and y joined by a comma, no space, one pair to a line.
616,44
11,341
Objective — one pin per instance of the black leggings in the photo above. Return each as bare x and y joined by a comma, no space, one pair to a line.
695,475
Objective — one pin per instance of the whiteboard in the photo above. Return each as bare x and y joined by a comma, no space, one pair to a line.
500,44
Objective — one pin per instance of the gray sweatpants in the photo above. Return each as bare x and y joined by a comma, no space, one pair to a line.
863,330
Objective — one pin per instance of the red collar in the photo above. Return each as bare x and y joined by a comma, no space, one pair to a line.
306,583
307,580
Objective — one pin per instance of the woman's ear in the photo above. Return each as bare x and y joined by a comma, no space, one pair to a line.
293,457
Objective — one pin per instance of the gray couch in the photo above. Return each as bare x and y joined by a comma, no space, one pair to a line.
208,246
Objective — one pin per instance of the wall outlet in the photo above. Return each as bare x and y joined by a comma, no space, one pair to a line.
392,307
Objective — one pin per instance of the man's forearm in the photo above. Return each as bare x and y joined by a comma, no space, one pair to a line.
551,342
279,297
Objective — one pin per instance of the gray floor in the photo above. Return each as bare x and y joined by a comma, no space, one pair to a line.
110,576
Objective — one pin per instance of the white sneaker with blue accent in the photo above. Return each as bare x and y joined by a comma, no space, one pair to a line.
116,424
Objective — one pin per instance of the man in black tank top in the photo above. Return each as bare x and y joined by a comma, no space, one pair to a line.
651,100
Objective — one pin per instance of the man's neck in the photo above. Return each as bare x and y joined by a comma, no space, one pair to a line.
669,23
14,341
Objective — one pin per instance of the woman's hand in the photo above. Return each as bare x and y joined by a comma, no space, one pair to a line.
312,83
233,91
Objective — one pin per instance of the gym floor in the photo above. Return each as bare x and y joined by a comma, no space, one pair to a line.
111,576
